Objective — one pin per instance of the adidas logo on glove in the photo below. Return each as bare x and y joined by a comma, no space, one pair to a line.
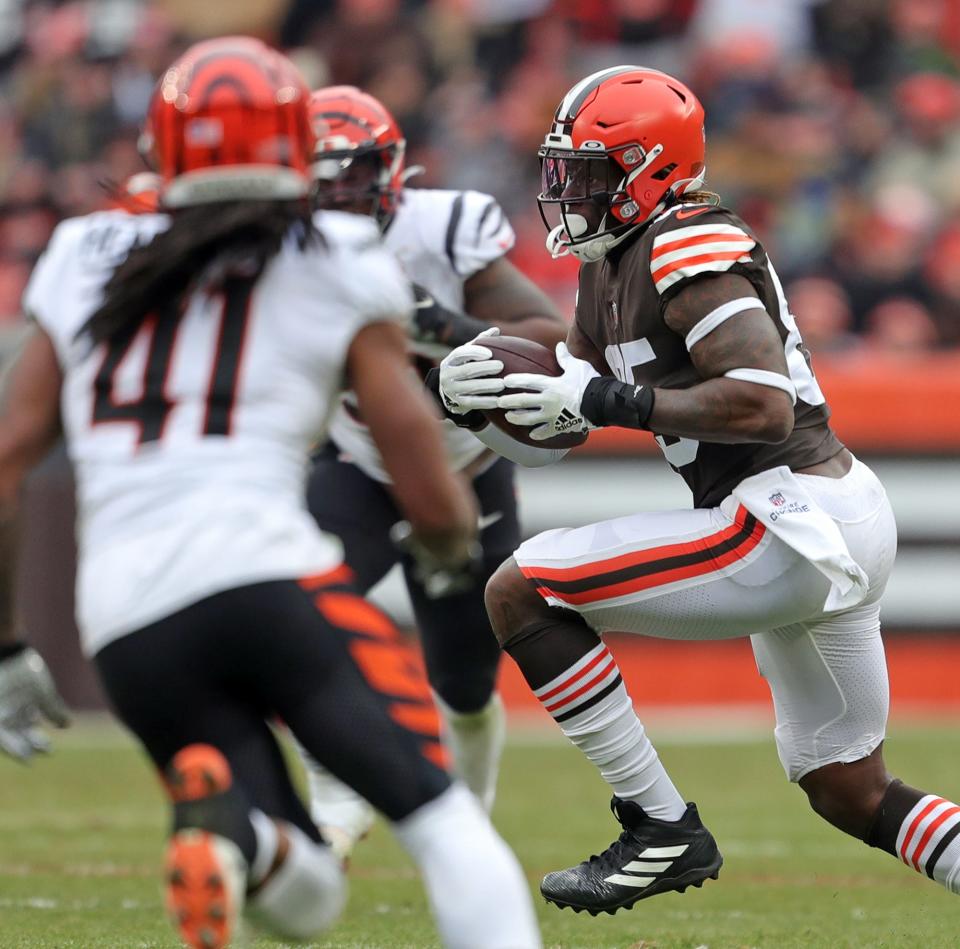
566,420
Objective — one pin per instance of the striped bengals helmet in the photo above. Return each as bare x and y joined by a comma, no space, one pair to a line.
359,158
228,121
626,142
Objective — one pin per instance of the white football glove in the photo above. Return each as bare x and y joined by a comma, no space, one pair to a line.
27,692
554,403
468,376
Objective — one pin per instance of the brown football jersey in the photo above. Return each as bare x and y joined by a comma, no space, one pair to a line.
620,310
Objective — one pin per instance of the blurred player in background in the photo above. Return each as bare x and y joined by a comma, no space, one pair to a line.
139,194
28,694
682,329
196,357
452,246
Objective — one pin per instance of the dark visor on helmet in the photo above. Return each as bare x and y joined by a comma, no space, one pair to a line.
576,178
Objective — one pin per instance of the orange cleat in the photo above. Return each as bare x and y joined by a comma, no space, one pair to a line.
205,872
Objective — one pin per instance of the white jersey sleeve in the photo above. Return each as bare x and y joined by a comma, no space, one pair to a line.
69,275
478,232
466,230
372,287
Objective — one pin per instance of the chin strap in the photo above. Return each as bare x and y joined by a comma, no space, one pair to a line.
588,251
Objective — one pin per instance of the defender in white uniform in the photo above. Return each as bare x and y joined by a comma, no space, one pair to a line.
198,487
196,357
451,245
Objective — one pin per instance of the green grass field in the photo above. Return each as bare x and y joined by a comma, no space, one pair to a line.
81,833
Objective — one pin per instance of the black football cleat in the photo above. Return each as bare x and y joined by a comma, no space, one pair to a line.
651,856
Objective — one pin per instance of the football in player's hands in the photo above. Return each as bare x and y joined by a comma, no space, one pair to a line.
524,355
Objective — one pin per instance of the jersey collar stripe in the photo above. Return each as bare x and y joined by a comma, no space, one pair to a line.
707,238
694,230
650,554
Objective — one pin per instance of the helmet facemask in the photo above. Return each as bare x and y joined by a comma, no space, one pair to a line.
585,201
358,180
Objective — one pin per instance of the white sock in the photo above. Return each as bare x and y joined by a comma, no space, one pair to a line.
475,740
590,704
477,891
305,894
268,839
341,814
929,840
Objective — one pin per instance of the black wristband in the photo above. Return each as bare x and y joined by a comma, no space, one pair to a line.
9,650
608,401
434,323
474,420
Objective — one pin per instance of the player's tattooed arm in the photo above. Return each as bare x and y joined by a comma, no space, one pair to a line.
29,426
499,295
724,409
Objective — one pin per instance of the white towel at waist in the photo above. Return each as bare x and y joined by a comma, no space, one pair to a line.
784,506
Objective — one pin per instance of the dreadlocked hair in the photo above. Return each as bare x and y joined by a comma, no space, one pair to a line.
701,197
204,246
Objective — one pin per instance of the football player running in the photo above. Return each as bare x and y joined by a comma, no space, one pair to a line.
451,245
194,357
682,329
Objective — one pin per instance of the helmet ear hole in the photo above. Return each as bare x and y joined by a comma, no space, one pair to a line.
663,173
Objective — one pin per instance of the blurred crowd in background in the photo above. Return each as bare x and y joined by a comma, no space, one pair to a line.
833,126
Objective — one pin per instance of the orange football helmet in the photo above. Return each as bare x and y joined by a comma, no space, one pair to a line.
228,121
626,143
359,159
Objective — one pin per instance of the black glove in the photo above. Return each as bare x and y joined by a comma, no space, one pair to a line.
474,420
434,323
438,579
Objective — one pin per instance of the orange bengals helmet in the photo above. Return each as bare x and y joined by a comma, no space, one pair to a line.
626,143
358,163
228,121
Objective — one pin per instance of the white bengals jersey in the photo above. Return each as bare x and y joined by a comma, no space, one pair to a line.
190,438
441,238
